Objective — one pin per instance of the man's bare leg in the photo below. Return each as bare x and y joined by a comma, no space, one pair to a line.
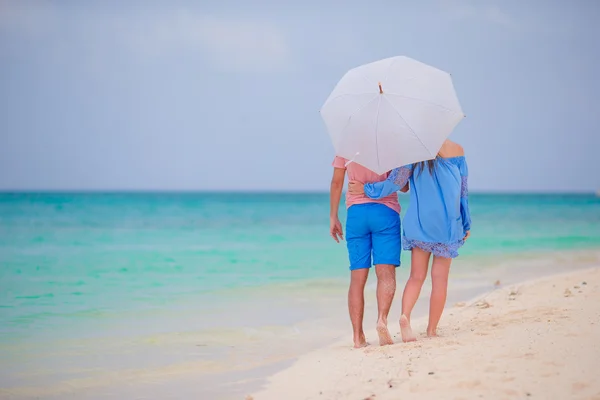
386,288
356,304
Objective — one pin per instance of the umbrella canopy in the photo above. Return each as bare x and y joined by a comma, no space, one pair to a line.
391,112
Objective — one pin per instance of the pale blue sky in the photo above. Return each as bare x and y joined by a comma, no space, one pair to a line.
202,95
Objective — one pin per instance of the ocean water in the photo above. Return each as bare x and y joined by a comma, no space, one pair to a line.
103,293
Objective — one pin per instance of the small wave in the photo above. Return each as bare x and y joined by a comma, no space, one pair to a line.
35,296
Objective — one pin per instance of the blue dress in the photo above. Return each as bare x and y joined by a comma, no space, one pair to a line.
438,216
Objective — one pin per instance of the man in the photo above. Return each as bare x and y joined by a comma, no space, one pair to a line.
373,238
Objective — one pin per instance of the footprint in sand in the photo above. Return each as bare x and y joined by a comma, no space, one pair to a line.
469,384
579,386
520,311
482,304
396,382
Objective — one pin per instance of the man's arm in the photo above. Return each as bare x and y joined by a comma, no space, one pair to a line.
335,195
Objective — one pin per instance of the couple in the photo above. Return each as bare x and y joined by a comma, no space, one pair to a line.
437,221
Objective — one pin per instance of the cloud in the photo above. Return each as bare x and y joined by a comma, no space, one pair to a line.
235,44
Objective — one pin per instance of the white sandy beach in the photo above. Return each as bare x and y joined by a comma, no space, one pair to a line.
538,340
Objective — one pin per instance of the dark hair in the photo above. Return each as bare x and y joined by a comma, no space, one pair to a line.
430,165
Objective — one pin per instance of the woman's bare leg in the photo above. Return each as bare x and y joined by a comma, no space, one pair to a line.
419,263
440,270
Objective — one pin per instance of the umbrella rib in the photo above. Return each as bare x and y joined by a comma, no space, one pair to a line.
366,78
409,127
345,94
421,100
377,131
356,111
394,61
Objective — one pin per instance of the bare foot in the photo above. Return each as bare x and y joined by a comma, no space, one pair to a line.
431,333
360,341
384,334
406,330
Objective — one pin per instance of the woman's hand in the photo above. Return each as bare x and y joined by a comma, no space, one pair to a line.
467,234
355,187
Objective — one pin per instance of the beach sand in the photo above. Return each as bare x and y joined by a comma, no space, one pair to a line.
539,339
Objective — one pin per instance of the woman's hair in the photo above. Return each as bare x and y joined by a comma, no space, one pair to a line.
430,165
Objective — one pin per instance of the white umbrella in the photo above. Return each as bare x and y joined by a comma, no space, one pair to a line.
391,113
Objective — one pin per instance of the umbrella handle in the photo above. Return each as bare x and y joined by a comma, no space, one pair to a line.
351,160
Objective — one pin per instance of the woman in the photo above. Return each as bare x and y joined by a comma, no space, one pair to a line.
437,221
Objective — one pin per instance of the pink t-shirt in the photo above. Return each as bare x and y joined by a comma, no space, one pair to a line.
357,172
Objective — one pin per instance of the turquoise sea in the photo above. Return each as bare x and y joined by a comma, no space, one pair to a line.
117,294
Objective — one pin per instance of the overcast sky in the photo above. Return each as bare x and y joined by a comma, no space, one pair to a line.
224,95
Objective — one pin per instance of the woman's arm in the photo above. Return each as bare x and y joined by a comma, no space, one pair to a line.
465,212
396,181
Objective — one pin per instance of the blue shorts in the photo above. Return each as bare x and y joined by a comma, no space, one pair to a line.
372,228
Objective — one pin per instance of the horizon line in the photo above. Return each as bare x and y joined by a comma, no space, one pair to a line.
264,191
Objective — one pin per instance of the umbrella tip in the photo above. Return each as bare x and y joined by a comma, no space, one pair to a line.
380,89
